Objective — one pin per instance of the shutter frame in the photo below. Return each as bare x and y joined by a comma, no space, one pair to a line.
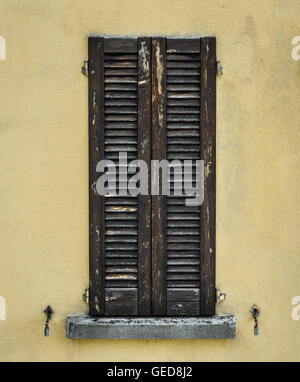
152,296
144,201
96,153
208,154
159,303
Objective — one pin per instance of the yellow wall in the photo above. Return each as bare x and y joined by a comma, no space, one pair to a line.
44,172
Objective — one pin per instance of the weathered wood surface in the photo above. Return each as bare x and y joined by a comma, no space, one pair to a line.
208,154
155,99
183,308
183,142
120,45
122,308
96,153
183,45
183,294
158,153
144,153
121,212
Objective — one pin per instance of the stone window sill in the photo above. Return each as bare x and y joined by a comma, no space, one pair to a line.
215,327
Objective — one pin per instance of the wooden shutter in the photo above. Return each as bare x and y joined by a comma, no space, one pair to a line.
155,99
119,121
183,127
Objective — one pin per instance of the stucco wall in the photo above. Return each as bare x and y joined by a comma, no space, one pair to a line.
44,172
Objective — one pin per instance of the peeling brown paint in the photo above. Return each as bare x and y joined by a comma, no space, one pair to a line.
94,99
144,56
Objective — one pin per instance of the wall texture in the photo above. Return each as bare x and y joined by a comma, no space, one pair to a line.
44,172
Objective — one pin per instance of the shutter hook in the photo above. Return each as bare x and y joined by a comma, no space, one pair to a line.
85,68
86,296
219,68
255,313
49,311
220,296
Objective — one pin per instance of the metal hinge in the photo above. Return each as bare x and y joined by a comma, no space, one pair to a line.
219,68
220,297
86,296
85,68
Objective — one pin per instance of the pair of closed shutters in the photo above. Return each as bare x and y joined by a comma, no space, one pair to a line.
153,98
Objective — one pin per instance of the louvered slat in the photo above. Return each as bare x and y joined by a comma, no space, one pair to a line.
183,223
121,217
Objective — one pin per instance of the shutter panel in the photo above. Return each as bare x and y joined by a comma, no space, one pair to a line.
121,213
119,233
183,142
183,241
154,99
